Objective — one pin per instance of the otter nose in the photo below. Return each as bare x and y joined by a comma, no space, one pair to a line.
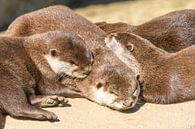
128,103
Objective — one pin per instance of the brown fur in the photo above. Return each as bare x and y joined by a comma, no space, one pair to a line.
171,32
21,79
68,47
167,77
63,19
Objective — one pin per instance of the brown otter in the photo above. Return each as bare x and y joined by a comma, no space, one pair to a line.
20,76
171,32
167,77
102,86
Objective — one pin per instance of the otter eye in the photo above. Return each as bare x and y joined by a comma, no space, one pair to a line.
113,92
99,85
130,47
72,62
53,52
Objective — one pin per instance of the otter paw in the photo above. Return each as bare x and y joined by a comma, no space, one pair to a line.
54,101
47,116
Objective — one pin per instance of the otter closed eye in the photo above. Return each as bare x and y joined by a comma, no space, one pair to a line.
61,67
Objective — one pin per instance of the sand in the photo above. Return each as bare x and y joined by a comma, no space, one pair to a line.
134,12
84,114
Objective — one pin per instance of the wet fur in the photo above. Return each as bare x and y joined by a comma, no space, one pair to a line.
172,32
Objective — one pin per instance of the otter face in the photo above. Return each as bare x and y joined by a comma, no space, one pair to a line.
115,87
68,56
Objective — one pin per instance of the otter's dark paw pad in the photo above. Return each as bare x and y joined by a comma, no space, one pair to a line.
54,101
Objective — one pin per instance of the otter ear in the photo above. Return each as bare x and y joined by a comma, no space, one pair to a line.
130,47
53,52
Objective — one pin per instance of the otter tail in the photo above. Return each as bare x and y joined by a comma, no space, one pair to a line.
2,120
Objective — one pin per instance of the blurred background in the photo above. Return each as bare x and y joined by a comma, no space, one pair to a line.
131,11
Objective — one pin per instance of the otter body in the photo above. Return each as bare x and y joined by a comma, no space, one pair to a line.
22,83
171,32
167,77
119,89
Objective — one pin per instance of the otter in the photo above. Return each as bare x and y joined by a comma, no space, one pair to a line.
166,77
21,76
172,32
102,85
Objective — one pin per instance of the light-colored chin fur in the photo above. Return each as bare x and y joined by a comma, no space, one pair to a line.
60,67
121,53
104,98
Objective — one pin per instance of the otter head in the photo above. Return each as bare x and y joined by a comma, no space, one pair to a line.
67,55
114,87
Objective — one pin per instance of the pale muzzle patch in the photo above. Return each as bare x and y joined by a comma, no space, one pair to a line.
105,98
61,67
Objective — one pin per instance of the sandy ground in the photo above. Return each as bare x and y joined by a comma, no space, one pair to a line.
87,115
135,11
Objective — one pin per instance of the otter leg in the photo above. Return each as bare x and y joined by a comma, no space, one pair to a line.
28,111
14,102
48,101
49,87
2,120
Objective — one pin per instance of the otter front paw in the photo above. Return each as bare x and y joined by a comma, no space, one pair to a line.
53,101
47,116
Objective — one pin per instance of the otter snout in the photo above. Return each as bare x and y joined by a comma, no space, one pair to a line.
113,100
123,104
128,101
82,72
87,72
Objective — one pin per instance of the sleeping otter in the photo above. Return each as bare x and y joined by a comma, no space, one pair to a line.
171,32
21,73
102,86
167,77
